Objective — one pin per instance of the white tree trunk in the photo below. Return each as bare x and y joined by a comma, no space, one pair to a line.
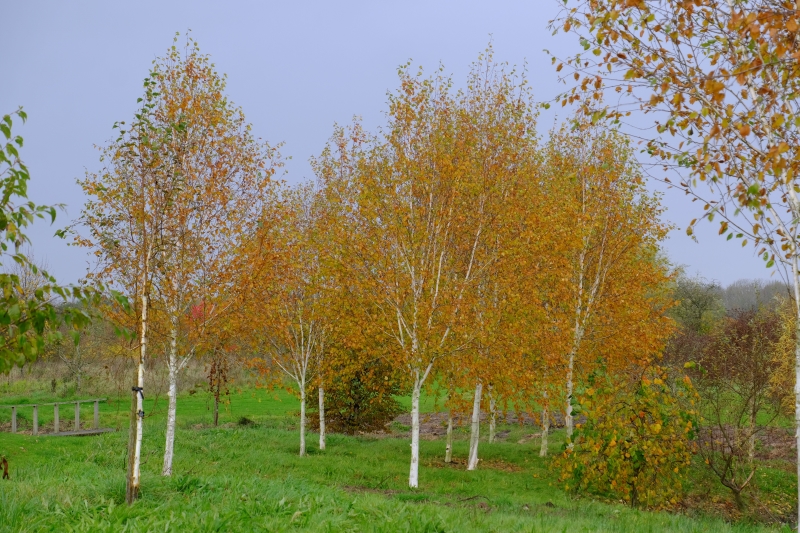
448,451
413,476
172,395
302,420
472,464
135,441
570,387
492,415
321,418
545,431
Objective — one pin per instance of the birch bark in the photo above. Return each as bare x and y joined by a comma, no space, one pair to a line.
172,395
321,418
492,415
413,477
448,452
474,436
137,414
545,432
302,419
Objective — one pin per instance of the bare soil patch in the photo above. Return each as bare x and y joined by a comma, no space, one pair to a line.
434,425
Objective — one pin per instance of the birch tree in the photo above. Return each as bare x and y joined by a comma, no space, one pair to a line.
618,228
290,316
123,224
186,183
418,211
225,186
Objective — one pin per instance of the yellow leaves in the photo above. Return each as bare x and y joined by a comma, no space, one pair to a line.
744,130
655,428
713,86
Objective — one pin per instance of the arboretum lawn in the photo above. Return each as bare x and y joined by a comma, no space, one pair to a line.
246,476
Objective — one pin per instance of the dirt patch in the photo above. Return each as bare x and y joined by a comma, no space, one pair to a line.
434,425
776,443
772,444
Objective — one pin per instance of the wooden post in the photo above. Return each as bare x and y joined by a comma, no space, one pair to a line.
77,416
35,419
55,418
13,419
96,414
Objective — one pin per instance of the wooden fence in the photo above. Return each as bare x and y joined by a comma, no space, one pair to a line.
77,430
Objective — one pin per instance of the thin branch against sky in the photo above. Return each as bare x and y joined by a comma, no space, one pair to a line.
295,69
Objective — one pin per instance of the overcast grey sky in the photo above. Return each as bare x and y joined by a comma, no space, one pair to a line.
294,67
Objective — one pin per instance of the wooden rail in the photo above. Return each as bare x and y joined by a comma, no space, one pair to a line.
56,421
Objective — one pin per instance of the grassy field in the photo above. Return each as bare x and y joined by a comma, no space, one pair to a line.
246,476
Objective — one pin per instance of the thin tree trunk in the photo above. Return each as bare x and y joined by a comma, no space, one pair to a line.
137,415
797,379
570,386
545,431
302,419
751,440
78,372
172,394
413,476
448,451
492,415
321,418
472,464
216,408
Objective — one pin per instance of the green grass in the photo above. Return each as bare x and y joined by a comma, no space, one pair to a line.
249,478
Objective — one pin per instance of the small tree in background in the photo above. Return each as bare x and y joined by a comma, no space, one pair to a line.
733,382
289,315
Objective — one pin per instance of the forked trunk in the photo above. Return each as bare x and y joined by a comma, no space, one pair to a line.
321,418
413,476
172,395
448,451
302,419
474,435
137,415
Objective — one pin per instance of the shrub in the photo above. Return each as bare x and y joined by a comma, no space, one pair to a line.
362,400
637,438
